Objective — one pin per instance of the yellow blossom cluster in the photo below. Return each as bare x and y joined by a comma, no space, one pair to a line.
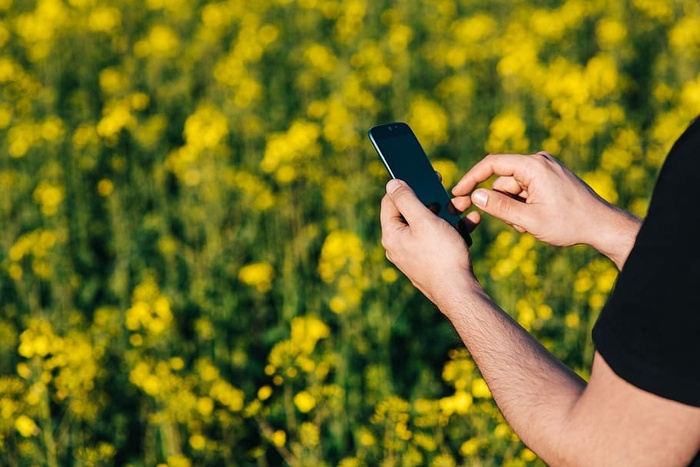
342,256
150,310
35,247
285,151
289,356
257,275
203,133
23,136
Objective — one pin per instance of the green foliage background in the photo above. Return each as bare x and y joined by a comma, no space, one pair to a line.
190,266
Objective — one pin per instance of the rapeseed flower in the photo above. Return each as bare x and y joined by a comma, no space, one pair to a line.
258,275
104,19
279,438
610,32
507,130
26,426
304,401
428,120
161,41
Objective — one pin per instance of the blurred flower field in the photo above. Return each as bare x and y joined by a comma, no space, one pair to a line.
190,265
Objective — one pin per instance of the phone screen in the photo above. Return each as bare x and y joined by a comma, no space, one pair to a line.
406,160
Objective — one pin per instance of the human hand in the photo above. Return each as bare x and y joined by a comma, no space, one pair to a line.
539,195
426,248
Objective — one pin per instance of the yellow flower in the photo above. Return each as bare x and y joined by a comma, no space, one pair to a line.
257,275
320,59
527,455
284,150
601,76
610,32
205,406
257,193
177,363
366,438
21,137
150,310
448,169
469,447
116,116
161,41
228,395
685,35
603,184
104,19
502,431
471,31
205,128
399,37
389,275
279,438
309,435
462,402
264,393
341,249
338,304
26,426
459,403
544,311
112,81
152,385
307,331
198,442
351,462
507,134
6,112
572,320
596,301
661,10
429,120
105,187
305,402
480,389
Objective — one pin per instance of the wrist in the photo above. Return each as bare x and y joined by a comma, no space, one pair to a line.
615,232
464,292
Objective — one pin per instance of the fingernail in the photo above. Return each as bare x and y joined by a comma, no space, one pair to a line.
479,197
392,185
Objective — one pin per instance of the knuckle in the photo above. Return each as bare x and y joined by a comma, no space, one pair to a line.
385,243
501,205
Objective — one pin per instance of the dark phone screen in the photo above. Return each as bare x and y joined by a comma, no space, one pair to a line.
405,159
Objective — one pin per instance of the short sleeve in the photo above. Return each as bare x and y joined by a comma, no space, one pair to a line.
649,330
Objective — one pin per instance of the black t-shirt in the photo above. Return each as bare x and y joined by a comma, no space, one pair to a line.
649,330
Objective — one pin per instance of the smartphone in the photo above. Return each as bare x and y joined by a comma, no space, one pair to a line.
405,159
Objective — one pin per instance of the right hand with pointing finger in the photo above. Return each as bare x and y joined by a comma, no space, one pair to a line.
539,195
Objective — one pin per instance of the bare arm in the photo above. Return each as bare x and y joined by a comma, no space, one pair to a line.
559,416
566,422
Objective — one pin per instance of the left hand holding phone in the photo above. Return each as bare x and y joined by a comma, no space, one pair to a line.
424,247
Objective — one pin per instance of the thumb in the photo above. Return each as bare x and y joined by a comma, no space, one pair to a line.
405,200
499,205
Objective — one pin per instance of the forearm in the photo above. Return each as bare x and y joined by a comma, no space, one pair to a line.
533,389
613,233
563,419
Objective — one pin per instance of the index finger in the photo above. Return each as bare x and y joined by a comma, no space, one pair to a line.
509,165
